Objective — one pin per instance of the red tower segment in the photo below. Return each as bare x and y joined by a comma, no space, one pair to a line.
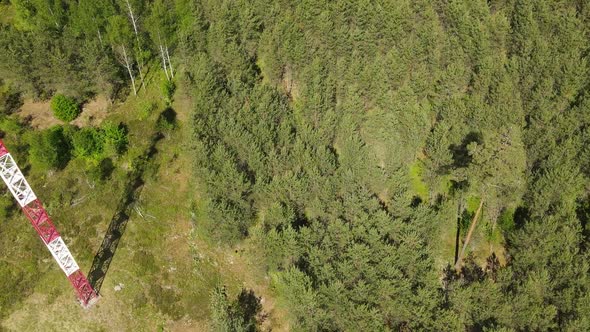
33,209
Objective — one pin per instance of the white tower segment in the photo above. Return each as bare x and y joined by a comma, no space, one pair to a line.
33,209
16,182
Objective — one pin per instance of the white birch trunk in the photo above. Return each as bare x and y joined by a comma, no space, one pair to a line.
128,66
164,62
169,63
134,23
133,20
163,57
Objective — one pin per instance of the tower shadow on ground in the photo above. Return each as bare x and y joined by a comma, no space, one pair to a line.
106,252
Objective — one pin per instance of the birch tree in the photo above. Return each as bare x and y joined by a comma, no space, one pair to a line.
161,26
120,37
134,10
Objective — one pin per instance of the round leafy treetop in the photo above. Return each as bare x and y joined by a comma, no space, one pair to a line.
64,108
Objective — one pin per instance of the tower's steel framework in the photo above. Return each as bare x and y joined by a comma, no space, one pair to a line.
33,209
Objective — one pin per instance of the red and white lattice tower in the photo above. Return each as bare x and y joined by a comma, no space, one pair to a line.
33,209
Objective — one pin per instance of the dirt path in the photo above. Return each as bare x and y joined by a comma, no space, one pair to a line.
468,238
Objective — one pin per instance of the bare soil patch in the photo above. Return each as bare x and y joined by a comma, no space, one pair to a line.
41,117
38,113
93,112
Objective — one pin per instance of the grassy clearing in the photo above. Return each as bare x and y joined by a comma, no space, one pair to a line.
444,248
165,266
418,185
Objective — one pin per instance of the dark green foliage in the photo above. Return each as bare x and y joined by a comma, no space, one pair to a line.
64,108
6,206
239,315
94,144
49,149
167,120
308,115
10,99
88,143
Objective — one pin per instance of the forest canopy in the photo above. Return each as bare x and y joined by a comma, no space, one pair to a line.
359,144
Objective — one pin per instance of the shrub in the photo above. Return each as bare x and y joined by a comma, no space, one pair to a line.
6,206
506,221
167,120
64,108
12,128
115,137
168,88
88,143
237,315
49,149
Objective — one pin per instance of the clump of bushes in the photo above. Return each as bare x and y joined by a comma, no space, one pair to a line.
94,143
50,148
54,147
88,143
65,108
100,171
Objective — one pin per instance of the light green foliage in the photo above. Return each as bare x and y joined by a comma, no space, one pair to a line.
506,221
119,30
418,185
146,109
11,128
168,87
64,108
88,143
115,138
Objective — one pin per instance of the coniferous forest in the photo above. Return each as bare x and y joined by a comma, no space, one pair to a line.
392,165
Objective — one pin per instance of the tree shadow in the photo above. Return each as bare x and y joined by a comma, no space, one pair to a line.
461,157
106,252
167,119
521,216
12,102
457,236
249,305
